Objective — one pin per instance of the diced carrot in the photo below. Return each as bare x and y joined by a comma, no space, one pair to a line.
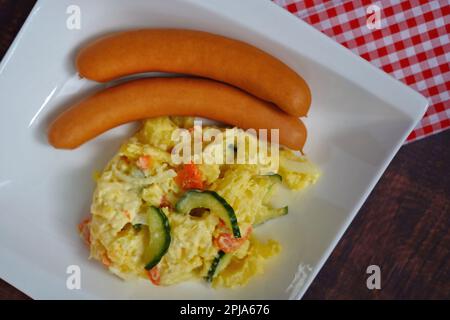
227,243
189,177
83,229
154,275
144,162
105,260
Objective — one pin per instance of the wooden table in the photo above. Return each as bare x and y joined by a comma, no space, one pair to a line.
403,227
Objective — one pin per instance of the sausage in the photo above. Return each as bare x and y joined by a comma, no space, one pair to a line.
196,53
155,97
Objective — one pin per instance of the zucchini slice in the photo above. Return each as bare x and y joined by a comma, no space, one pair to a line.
159,233
219,263
207,199
272,214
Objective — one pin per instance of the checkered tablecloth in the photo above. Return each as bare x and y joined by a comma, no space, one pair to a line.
412,44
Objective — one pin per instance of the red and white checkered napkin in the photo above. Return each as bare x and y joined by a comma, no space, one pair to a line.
412,44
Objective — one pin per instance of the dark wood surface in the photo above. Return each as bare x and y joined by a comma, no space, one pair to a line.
403,227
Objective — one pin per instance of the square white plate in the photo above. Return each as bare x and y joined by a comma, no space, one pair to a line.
359,119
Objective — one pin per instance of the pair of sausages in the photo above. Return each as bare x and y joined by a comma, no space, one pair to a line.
251,83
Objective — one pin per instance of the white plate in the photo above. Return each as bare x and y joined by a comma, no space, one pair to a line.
359,119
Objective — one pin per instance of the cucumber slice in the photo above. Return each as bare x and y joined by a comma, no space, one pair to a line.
273,213
159,233
271,182
275,177
207,199
219,263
